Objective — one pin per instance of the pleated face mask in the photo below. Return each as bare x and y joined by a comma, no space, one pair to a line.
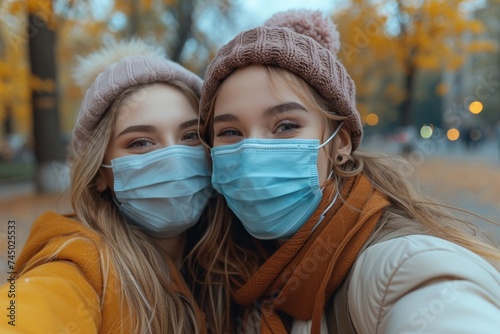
271,185
164,191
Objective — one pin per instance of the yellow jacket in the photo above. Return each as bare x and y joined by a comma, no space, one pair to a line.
64,294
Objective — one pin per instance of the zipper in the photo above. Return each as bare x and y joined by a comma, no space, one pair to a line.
349,319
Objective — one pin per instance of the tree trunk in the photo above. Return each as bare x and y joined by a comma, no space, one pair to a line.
134,26
8,130
405,108
184,11
8,127
49,147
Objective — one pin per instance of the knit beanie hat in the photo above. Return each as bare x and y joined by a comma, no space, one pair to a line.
302,42
113,69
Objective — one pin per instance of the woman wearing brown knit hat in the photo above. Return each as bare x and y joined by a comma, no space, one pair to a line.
140,179
335,239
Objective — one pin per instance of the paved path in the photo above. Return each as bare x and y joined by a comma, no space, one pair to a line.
468,184
470,180
23,207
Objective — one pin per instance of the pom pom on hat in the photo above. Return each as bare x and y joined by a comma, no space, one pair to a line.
89,67
309,23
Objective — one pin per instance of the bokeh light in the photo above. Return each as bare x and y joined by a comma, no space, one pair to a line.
426,131
453,134
372,119
475,107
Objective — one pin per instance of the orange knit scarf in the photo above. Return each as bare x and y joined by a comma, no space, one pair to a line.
304,272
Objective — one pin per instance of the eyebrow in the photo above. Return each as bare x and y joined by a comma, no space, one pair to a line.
284,107
188,124
278,109
137,128
225,118
151,128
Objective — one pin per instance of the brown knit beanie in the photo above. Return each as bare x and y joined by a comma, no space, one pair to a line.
113,69
301,41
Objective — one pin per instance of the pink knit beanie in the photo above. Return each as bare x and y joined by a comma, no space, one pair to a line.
119,66
301,41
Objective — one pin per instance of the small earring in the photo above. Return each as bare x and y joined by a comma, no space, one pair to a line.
339,158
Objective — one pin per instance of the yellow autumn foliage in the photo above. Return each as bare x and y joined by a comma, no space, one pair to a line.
392,39
481,46
14,91
146,4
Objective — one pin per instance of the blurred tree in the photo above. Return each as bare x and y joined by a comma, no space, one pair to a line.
49,147
184,27
428,106
484,69
179,25
398,38
183,12
14,85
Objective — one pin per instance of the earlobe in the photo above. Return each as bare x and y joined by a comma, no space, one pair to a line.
100,182
343,144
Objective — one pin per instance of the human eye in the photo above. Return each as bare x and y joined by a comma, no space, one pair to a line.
140,143
229,133
287,126
190,136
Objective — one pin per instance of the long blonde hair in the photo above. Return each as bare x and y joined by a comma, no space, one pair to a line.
395,177
143,276
221,262
409,205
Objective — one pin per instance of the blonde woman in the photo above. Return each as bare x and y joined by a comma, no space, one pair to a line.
140,183
343,241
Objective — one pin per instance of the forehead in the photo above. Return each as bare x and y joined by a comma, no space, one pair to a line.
155,103
251,85
245,76
256,84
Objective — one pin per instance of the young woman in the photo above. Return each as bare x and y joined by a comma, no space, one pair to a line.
139,181
347,242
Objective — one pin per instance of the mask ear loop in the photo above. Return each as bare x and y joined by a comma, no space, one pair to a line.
117,203
326,210
337,193
332,136
326,142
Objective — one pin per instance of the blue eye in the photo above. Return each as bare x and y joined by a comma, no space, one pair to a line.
287,126
140,143
229,133
190,136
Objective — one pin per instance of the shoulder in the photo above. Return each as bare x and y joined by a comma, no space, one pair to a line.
418,270
423,251
54,223
52,296
54,237
415,252
53,228
65,263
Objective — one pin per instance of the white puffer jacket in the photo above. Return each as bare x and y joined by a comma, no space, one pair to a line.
421,284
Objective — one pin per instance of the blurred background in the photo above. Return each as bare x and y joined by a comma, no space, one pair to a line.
427,74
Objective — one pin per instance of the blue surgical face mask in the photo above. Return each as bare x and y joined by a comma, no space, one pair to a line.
272,185
164,191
